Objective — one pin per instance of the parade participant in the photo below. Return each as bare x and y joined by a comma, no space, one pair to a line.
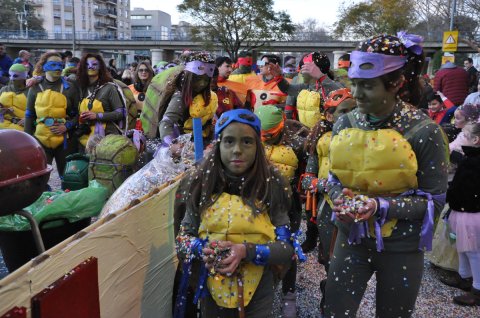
290,109
192,99
262,88
128,76
244,67
51,114
464,199
142,77
70,70
236,223
13,99
319,224
102,106
224,65
438,104
311,94
463,115
227,99
284,147
341,72
5,64
112,68
289,71
24,58
387,180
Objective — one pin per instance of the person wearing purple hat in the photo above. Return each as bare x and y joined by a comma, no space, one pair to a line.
192,99
387,180
236,224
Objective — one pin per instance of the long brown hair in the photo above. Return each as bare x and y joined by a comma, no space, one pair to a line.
104,75
43,59
150,72
184,84
262,184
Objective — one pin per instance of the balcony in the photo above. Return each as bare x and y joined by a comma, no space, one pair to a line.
36,3
111,25
100,12
100,25
114,2
112,13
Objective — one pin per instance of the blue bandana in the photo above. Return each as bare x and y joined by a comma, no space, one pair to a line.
52,66
237,115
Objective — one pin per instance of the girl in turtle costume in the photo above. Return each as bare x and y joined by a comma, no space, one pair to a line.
13,99
238,203
102,106
394,158
307,98
51,114
192,99
284,141
313,181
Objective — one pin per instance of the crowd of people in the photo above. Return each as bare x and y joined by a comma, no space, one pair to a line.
363,152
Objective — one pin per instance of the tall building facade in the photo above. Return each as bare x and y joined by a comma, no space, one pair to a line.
150,24
91,19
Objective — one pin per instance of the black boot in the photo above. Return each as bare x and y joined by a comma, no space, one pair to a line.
311,237
469,299
457,281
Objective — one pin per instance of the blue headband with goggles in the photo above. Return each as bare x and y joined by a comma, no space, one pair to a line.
242,116
52,66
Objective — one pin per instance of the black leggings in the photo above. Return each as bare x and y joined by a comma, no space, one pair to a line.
398,280
60,154
295,215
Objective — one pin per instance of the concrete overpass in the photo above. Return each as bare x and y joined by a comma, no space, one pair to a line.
169,45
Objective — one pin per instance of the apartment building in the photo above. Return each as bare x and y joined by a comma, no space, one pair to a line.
91,19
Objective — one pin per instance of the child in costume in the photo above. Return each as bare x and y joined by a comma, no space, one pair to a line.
387,180
284,141
102,106
244,68
314,179
311,94
262,88
463,196
236,223
192,99
52,110
438,105
13,99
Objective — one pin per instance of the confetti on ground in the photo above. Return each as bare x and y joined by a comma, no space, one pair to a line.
434,299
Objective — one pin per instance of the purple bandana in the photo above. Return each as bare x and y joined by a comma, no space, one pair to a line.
200,68
17,75
381,64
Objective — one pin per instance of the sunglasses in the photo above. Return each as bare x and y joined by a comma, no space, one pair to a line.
143,70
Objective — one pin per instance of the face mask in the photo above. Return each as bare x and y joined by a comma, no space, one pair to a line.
53,66
374,64
200,68
17,75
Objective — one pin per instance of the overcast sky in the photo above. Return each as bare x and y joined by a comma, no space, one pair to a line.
324,11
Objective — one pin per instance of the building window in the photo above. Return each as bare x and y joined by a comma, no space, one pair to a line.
68,16
141,27
57,13
139,17
67,3
57,29
56,2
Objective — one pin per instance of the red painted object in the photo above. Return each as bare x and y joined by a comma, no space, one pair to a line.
16,312
75,295
21,157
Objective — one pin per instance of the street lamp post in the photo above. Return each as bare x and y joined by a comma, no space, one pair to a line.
454,9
